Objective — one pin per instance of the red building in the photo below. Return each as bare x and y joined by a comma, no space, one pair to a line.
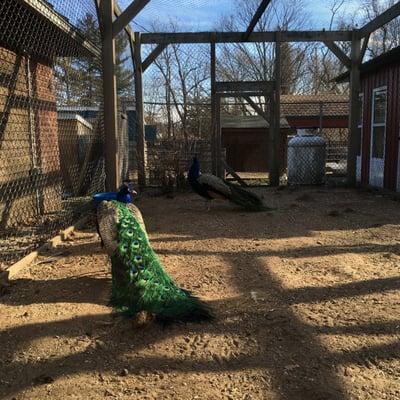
378,161
245,138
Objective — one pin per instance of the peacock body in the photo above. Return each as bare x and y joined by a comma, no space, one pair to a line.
139,282
211,187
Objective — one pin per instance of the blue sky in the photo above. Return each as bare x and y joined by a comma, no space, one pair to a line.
201,15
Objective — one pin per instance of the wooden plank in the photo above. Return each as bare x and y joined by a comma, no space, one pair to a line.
339,53
45,11
354,110
141,142
257,108
380,20
276,132
257,15
238,37
153,55
244,86
13,270
233,173
213,108
110,97
127,15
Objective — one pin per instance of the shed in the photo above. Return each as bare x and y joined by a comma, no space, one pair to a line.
246,137
378,161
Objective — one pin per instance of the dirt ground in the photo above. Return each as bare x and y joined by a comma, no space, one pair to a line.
306,298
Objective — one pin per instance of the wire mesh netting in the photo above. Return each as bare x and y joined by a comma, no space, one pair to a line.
51,125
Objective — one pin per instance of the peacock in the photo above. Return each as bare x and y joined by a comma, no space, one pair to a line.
211,187
140,285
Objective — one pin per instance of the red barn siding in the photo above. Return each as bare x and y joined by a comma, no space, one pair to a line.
388,76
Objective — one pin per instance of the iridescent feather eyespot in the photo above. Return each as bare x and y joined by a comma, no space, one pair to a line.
123,248
137,259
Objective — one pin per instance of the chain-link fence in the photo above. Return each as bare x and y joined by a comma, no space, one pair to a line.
51,125
51,116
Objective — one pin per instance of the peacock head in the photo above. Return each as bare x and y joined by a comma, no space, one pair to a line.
126,192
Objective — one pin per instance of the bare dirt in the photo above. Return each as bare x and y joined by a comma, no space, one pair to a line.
306,298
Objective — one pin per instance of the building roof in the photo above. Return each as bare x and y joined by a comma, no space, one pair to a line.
247,121
310,106
46,33
390,57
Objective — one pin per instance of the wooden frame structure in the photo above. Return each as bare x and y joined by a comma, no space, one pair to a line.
108,9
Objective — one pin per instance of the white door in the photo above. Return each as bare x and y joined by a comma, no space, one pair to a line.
378,137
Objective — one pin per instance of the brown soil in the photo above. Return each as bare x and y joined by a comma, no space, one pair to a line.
306,298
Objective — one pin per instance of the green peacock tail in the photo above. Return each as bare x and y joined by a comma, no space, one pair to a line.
140,282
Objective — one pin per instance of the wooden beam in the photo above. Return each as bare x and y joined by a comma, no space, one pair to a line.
256,108
237,37
128,30
110,97
141,142
354,134
339,53
244,86
259,12
213,109
274,170
153,55
127,15
364,47
218,137
233,173
380,20
239,95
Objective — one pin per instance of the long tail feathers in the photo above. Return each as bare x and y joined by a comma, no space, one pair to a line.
140,282
247,199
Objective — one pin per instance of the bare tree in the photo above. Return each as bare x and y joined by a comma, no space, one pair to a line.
388,36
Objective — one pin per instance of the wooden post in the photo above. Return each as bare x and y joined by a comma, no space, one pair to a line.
218,136
354,138
274,169
141,142
213,110
110,97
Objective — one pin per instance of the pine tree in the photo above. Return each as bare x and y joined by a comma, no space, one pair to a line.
80,79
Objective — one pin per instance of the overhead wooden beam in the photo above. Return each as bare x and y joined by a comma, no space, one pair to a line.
380,20
238,37
256,108
339,53
259,12
127,15
153,55
244,86
128,30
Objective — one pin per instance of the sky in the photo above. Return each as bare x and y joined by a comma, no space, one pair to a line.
202,15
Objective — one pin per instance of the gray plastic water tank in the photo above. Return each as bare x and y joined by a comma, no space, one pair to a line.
306,159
